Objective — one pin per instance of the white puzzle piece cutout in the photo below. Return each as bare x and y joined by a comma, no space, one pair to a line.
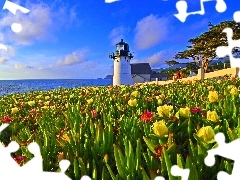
111,1
223,51
177,171
12,7
228,150
16,27
10,169
182,7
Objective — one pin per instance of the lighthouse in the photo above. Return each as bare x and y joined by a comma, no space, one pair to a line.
122,67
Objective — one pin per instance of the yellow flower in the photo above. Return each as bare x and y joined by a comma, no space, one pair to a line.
212,116
44,107
66,138
159,102
46,103
162,96
39,96
135,93
219,81
119,107
164,110
47,98
31,103
213,96
210,88
90,101
184,112
206,133
230,86
132,102
160,128
234,91
14,110
123,89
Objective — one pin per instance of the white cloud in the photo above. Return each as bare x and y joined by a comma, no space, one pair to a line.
2,60
6,55
76,57
9,53
40,23
22,66
150,31
156,60
117,34
34,24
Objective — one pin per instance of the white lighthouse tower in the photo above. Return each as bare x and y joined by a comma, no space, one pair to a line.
122,67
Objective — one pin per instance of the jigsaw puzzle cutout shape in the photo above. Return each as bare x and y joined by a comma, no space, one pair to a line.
182,7
34,166
177,171
229,151
10,169
223,51
13,8
111,1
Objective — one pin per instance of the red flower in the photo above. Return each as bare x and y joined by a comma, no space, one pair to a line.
83,93
204,114
51,104
19,159
40,104
94,113
32,111
6,119
159,150
147,116
195,110
21,105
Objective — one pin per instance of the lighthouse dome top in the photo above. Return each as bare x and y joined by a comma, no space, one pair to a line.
122,46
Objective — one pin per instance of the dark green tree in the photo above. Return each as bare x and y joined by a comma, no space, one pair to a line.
172,62
206,43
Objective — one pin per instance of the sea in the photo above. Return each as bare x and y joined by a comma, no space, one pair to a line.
21,86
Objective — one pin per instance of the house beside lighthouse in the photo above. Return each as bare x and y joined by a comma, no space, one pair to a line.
122,67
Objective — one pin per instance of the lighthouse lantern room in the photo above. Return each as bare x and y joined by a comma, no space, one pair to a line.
122,67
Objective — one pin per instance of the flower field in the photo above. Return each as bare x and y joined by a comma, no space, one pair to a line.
126,132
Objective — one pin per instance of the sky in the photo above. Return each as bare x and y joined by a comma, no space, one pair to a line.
72,39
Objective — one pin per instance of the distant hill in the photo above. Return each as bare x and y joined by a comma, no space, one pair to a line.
109,77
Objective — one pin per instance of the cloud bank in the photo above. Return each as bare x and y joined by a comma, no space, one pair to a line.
150,31
76,57
41,23
117,34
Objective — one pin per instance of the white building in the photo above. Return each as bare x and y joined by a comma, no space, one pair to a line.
122,68
141,72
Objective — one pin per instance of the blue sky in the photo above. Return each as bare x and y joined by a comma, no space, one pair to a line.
72,39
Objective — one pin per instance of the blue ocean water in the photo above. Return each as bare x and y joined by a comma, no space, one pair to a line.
21,86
